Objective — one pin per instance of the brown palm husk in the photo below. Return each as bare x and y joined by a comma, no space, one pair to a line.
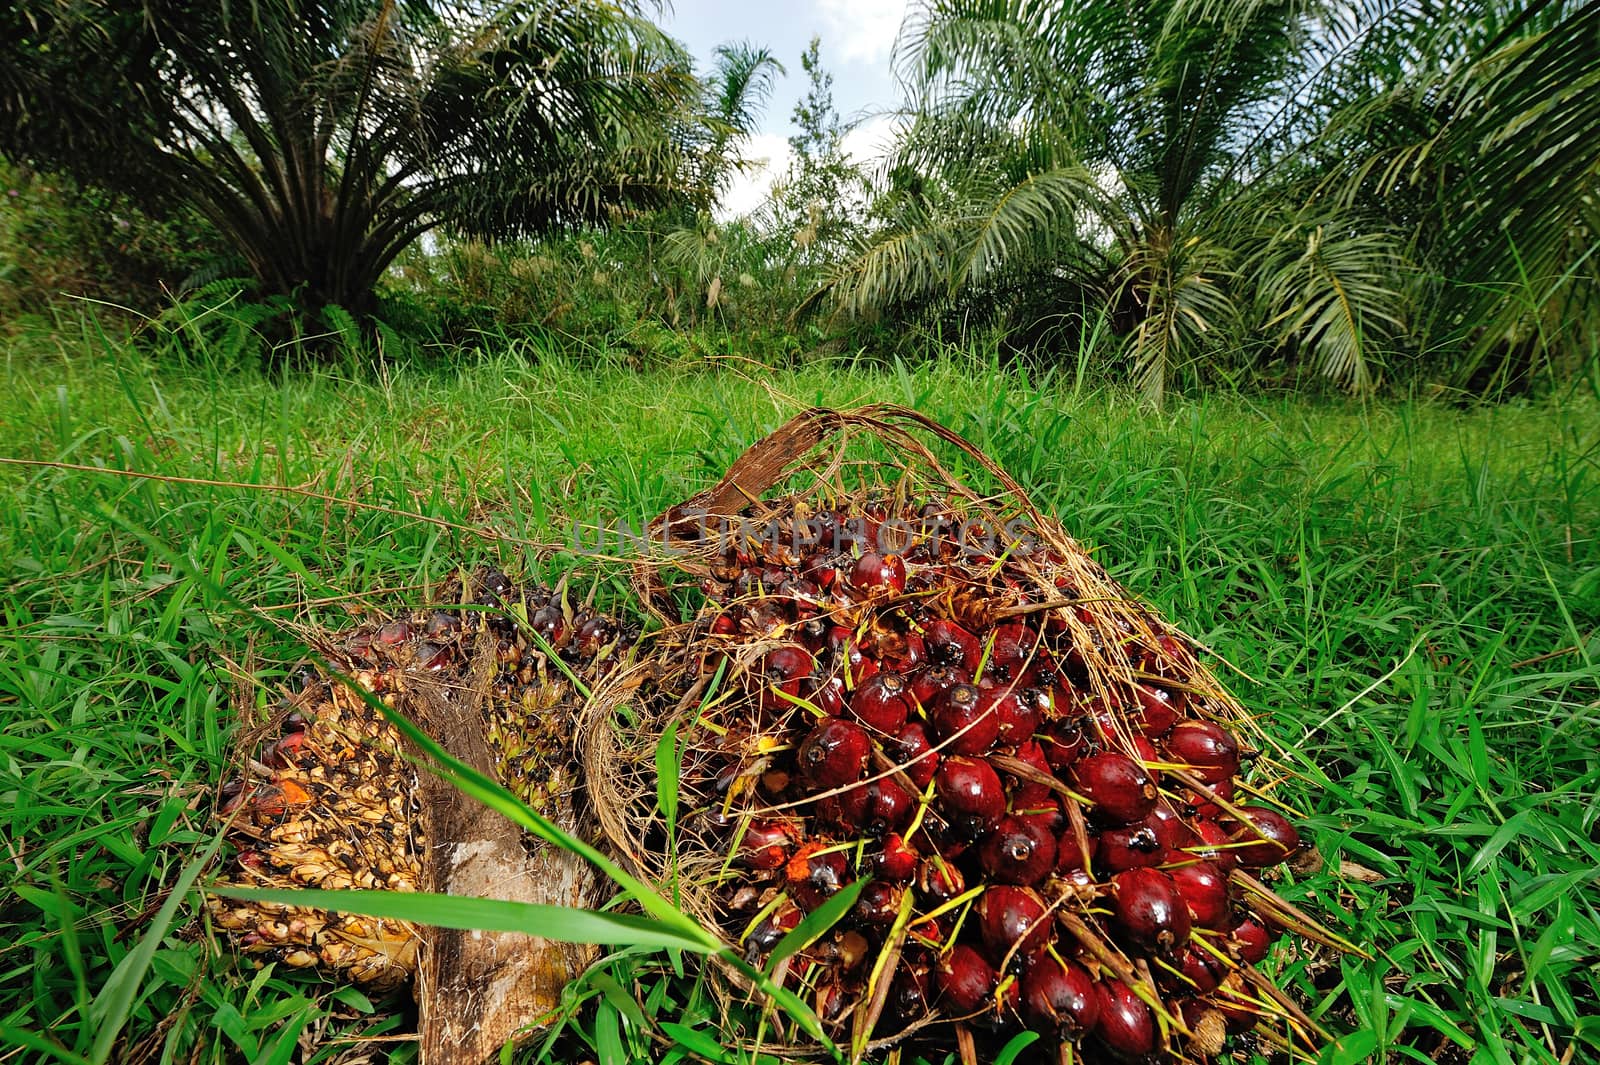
705,688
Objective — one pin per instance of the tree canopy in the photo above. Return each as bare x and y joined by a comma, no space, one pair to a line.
322,137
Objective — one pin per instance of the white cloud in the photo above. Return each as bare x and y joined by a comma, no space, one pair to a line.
869,140
862,30
769,156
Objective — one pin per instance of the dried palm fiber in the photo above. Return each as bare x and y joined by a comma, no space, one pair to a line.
882,680
332,801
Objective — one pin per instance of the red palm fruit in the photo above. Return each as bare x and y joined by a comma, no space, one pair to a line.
394,633
1171,830
933,931
972,797
881,702
1206,807
912,988
896,861
1144,752
443,625
879,902
724,624
1205,891
1063,743
933,680
1015,719
965,980
1125,1024
951,645
784,669
1120,788
1036,805
821,569
1012,653
550,622
771,929
834,754
906,653
939,880
1236,1002
1013,921
825,693
814,876
1149,912
879,573
964,721
1018,852
1129,847
286,750
767,843
1069,856
913,752
1059,997
1268,839
846,650
846,810
1201,971
1250,940
1156,709
1213,846
1030,752
889,808
1207,748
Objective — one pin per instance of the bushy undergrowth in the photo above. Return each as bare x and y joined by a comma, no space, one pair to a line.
1410,597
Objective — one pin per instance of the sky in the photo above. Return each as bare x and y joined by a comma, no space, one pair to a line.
857,40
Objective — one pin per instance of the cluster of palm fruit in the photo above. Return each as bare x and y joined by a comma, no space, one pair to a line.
332,802
1034,778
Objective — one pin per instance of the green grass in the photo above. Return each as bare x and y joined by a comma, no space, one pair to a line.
1410,595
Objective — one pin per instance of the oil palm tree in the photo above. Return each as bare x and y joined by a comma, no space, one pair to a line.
321,137
1120,155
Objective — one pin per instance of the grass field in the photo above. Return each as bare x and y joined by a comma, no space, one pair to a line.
1410,595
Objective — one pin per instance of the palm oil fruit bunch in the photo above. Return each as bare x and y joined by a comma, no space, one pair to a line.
330,801
1028,778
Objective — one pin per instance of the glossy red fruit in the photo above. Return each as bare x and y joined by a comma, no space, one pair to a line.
1015,719
910,993
1063,744
825,693
1205,891
965,980
895,861
1018,852
971,796
1125,1026
846,651
1201,971
1012,654
939,880
1129,847
1059,997
286,751
1149,912
1120,788
1209,807
1013,921
845,810
879,902
964,721
889,808
815,874
1207,748
1173,831
396,632
767,843
1268,839
784,669
771,929
874,572
951,645
882,702
1250,940
913,753
1214,845
834,754
932,681
1156,709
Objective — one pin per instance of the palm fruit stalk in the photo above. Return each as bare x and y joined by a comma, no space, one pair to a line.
1041,793
328,798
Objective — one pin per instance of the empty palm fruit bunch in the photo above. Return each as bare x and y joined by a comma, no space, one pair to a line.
1040,798
326,796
